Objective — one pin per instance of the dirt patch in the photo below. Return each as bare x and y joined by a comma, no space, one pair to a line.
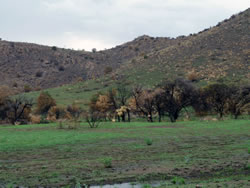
165,126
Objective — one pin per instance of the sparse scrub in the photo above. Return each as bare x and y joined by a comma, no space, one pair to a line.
27,88
178,181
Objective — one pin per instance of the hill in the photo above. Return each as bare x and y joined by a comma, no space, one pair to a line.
220,53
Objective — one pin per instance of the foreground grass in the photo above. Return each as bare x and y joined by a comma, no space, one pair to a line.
40,155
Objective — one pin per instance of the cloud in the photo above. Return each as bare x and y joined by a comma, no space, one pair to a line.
105,23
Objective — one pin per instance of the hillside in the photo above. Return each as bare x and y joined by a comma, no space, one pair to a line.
220,53
46,67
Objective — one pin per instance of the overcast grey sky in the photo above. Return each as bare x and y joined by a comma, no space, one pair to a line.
85,24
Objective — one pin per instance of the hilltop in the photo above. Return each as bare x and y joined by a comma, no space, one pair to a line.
220,53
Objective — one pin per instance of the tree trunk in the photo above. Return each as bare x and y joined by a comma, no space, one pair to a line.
150,119
123,117
128,111
159,117
221,115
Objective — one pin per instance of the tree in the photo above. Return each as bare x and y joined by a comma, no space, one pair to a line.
217,96
5,92
112,96
177,95
143,102
19,109
103,104
200,104
94,50
44,103
4,108
158,103
123,94
239,100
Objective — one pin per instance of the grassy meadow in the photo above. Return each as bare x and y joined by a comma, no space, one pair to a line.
183,154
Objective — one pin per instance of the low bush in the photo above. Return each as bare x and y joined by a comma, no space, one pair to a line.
35,119
149,141
107,162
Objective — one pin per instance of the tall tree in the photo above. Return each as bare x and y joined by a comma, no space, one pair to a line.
217,96
143,102
178,95
239,100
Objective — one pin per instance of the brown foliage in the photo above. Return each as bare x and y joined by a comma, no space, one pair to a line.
57,112
193,77
35,119
44,103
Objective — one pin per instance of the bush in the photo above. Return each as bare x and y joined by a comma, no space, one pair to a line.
108,70
193,77
35,119
178,181
27,88
61,68
54,48
149,141
107,162
39,74
56,112
44,103
94,50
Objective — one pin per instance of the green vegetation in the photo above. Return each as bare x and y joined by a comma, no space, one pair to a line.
107,162
149,141
40,155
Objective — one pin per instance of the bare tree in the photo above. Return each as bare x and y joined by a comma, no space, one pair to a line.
17,108
93,118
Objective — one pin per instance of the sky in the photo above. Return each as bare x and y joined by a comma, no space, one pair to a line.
101,24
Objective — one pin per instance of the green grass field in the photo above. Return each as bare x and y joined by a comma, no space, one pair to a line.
199,152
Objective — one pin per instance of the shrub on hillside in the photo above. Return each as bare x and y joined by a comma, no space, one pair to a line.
193,77
39,74
108,70
27,88
61,68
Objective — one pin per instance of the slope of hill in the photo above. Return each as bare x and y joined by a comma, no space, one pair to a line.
45,67
219,53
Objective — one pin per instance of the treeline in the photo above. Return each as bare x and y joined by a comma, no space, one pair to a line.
123,102
170,99
18,110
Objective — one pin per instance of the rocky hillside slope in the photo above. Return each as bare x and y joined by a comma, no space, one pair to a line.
218,53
